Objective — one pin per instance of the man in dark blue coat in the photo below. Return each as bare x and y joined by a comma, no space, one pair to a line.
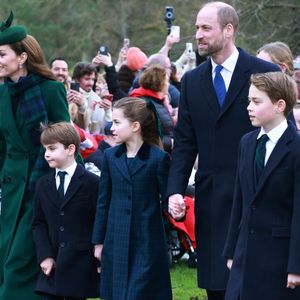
211,126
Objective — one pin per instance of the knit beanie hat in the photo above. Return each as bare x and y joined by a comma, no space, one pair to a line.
11,34
136,59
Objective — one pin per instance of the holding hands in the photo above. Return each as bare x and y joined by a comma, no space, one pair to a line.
293,280
177,206
98,254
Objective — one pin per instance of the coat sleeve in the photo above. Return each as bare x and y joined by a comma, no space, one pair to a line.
103,203
294,250
2,153
236,214
40,229
162,177
185,146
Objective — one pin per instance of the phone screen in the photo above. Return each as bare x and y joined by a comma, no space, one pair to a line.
75,86
175,31
103,50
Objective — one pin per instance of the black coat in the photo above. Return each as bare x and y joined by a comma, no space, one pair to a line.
63,230
264,232
214,134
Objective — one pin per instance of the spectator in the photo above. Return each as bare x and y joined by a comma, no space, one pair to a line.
98,110
296,75
60,69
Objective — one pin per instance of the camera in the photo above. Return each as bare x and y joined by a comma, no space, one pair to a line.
169,14
103,50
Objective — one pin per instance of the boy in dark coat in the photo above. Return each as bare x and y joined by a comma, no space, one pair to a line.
63,217
263,243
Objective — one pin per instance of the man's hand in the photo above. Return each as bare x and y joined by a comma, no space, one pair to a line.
177,206
229,263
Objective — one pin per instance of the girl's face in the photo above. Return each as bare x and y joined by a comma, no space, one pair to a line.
10,63
122,128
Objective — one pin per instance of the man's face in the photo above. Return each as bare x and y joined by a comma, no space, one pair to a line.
87,81
60,70
209,35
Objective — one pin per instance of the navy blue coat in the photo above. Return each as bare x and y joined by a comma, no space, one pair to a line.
214,134
63,230
134,263
264,232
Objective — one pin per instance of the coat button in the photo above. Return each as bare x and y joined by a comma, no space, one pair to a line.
62,245
252,231
9,155
62,213
62,228
253,207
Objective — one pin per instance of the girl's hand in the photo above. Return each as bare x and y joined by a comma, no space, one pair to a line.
98,253
229,263
105,104
293,280
47,265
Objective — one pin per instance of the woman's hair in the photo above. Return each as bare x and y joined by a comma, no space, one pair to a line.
280,54
277,85
153,78
35,62
63,133
142,111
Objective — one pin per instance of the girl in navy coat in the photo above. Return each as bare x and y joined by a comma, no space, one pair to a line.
128,232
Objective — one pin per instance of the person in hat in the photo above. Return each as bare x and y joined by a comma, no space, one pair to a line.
30,95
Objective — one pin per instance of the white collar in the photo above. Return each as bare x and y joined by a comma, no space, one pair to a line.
229,63
275,134
69,170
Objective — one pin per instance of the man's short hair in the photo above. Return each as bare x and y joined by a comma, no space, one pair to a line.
55,59
83,68
63,133
277,85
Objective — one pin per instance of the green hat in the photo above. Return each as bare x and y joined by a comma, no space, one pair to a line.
11,34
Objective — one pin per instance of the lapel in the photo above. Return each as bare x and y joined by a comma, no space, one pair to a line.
279,152
138,163
51,190
240,78
10,122
75,184
250,146
208,92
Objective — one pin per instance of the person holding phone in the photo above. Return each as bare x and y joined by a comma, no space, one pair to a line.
98,111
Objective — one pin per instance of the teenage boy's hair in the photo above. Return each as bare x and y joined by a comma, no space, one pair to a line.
63,133
277,85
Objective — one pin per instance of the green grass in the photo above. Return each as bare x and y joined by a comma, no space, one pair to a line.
184,283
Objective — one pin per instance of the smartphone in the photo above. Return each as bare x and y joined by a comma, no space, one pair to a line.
109,97
103,50
189,47
126,43
75,86
175,31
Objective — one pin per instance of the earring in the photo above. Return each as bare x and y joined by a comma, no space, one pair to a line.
20,66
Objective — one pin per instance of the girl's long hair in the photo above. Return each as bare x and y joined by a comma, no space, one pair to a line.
142,111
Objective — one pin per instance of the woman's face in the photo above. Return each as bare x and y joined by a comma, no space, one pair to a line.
10,63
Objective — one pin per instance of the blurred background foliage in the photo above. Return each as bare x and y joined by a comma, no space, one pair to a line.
74,29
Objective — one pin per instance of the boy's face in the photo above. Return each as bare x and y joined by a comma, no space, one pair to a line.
57,156
262,112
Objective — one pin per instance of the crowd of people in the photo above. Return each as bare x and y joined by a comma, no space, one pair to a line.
89,160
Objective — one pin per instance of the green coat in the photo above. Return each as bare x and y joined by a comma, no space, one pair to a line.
18,264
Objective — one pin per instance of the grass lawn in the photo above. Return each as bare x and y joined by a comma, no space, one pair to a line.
184,283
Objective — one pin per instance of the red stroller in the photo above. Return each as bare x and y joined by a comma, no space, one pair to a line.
181,235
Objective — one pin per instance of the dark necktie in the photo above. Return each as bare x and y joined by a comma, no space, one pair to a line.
61,191
219,85
260,154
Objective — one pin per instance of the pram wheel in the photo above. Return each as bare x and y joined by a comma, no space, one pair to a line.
176,248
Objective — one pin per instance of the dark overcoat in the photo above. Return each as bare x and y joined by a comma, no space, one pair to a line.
134,264
63,230
18,265
264,232
214,134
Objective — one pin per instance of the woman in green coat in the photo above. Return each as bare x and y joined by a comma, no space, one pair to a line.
30,95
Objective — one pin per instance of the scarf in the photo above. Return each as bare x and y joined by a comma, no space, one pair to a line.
33,110
142,92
